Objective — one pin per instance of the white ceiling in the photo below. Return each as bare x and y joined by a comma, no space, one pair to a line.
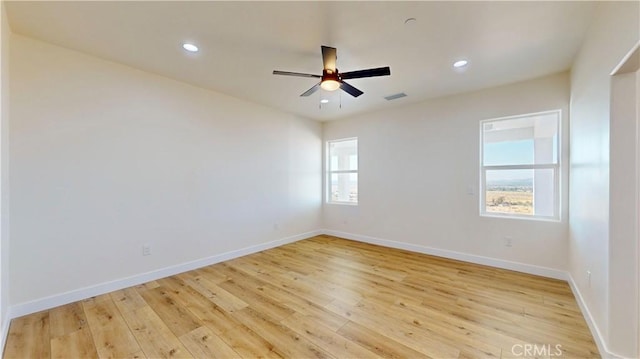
241,43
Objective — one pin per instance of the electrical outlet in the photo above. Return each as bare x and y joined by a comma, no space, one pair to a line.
508,242
146,249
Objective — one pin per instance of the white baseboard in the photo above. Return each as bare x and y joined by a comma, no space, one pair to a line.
56,300
472,258
586,313
6,321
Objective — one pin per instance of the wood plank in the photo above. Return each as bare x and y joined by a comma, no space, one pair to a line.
213,273
458,334
251,291
285,341
93,301
261,263
206,311
128,299
66,319
76,344
111,335
381,345
219,296
248,344
556,315
289,260
29,337
146,286
305,307
153,335
423,341
326,338
203,343
175,316
284,282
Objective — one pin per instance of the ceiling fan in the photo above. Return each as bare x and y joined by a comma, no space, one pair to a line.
332,79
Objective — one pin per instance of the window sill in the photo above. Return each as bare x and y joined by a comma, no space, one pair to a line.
343,203
526,218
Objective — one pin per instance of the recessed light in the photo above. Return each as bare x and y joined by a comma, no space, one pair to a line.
190,47
324,100
460,63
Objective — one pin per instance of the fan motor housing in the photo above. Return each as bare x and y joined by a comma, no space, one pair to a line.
331,75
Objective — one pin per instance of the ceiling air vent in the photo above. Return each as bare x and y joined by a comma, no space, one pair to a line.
395,96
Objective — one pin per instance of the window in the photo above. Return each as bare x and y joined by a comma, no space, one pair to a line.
520,166
342,171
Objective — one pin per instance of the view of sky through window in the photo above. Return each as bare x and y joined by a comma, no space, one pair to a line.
520,165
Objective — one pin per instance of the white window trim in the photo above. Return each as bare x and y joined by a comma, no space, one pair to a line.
557,217
329,172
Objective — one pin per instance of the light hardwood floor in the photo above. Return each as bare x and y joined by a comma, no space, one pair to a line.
323,297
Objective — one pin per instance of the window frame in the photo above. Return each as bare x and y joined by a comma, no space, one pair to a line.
556,167
329,171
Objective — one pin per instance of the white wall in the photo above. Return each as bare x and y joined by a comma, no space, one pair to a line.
417,162
105,158
613,32
623,214
5,33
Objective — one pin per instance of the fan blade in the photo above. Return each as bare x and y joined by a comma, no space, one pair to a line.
329,58
298,74
380,71
311,90
350,89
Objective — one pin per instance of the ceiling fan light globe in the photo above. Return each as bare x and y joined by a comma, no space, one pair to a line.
330,85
